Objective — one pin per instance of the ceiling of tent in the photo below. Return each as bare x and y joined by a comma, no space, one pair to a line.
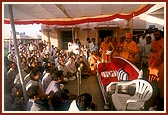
68,14
158,13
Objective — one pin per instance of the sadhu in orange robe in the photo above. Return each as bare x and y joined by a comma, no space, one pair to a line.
104,47
130,49
156,63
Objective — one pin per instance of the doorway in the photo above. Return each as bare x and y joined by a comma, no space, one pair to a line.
66,37
104,32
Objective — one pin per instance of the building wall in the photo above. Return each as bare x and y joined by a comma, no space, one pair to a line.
83,31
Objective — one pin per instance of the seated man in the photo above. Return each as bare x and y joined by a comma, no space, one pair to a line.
35,76
85,70
71,69
37,100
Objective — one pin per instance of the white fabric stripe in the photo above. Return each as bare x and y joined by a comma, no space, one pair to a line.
122,75
112,73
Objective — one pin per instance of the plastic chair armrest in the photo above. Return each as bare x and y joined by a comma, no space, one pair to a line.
130,101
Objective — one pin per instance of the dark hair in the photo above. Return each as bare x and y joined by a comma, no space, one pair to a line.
57,74
148,37
81,57
65,94
87,39
33,91
83,101
47,65
93,39
34,72
45,60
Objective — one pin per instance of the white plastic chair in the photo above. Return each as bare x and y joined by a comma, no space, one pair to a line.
143,92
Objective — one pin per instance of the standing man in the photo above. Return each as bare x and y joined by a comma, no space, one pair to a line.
130,49
76,47
156,61
93,45
105,48
87,47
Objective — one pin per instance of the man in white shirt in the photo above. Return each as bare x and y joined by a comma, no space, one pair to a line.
70,46
71,68
150,33
146,51
93,46
47,78
35,79
142,39
75,48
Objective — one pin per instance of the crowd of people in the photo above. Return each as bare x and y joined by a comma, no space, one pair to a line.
46,69
44,72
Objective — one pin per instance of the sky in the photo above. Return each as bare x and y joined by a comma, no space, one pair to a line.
30,30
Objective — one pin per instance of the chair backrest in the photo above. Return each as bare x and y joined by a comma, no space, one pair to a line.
144,90
122,75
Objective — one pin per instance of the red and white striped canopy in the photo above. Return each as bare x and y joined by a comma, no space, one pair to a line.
70,14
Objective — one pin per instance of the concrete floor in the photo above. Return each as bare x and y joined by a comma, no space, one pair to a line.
88,85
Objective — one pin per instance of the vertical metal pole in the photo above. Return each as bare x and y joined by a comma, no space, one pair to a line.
73,38
49,42
79,80
78,84
132,23
17,51
10,41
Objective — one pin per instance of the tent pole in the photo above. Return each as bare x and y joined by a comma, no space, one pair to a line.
10,41
17,51
132,23
73,34
49,42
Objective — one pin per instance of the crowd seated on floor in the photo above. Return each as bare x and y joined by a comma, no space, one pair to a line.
43,67
44,70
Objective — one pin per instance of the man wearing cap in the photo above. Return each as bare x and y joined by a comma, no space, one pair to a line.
130,48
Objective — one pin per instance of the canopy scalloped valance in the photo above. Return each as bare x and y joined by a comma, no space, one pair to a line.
71,20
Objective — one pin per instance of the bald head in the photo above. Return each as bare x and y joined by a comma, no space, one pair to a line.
128,35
